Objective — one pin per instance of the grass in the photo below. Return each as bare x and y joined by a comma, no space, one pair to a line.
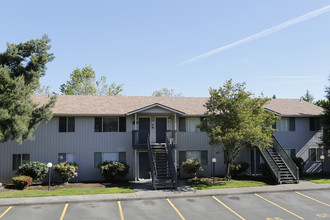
317,178
207,183
63,191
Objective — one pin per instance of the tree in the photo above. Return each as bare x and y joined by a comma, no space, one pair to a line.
308,97
235,120
42,90
166,92
83,82
326,119
21,67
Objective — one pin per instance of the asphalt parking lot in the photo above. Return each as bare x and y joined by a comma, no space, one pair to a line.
268,206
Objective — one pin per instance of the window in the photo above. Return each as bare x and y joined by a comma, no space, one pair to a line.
110,124
199,155
290,152
62,157
286,124
66,124
19,159
189,124
314,154
314,124
100,157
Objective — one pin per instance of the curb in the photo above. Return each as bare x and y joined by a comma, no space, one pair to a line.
125,198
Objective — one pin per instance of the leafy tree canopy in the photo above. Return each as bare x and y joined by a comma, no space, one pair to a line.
236,120
308,97
166,92
83,82
21,66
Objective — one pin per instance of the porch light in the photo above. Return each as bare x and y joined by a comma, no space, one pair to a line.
322,160
49,165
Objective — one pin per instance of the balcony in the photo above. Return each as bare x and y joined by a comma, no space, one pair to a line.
140,138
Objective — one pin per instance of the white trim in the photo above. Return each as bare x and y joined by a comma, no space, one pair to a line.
156,105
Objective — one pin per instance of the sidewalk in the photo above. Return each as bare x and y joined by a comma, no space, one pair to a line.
144,191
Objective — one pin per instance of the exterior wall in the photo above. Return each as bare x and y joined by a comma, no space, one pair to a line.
302,139
82,143
199,141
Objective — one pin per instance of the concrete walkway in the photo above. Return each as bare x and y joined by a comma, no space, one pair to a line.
144,191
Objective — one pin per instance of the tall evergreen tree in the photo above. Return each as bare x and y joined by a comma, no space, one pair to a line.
166,92
21,66
308,97
236,120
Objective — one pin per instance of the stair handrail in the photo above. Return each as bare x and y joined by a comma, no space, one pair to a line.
151,162
276,173
171,163
294,170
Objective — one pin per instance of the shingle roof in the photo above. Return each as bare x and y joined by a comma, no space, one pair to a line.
121,105
294,107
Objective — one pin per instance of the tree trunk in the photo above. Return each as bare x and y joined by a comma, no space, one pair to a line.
228,175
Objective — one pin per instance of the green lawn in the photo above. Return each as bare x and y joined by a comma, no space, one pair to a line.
316,179
63,192
206,183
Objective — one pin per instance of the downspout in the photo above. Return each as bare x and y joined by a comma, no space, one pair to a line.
135,152
175,149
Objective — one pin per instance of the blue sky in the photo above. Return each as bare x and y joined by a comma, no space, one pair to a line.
144,44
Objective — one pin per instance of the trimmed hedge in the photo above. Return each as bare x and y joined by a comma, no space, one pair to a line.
238,168
111,170
191,166
22,182
66,171
35,170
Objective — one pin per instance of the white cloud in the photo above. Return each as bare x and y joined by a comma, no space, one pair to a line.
261,34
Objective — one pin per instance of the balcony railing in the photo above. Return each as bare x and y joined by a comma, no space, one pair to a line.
140,138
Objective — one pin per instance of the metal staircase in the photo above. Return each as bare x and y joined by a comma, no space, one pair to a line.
282,168
162,166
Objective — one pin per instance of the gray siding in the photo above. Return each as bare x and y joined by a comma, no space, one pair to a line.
82,143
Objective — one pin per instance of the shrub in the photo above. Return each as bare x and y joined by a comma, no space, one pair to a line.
300,163
110,170
66,171
238,168
264,170
22,182
191,166
35,170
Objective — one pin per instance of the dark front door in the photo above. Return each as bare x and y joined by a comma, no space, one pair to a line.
144,169
161,130
144,130
255,161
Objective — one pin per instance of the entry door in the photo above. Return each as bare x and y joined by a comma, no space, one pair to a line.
255,161
144,130
144,168
161,128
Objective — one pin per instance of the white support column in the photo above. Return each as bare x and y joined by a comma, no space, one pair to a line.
175,121
175,150
135,166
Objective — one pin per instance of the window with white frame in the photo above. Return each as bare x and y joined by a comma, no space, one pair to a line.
291,152
19,159
100,157
200,155
314,154
65,157
110,124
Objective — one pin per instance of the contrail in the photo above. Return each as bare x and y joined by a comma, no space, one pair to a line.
261,34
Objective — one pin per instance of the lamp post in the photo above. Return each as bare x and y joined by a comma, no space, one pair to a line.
322,160
214,160
49,165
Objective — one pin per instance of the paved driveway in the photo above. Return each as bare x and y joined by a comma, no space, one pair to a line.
267,206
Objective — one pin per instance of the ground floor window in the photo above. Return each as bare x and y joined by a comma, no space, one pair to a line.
199,155
65,157
290,152
315,153
100,157
19,159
